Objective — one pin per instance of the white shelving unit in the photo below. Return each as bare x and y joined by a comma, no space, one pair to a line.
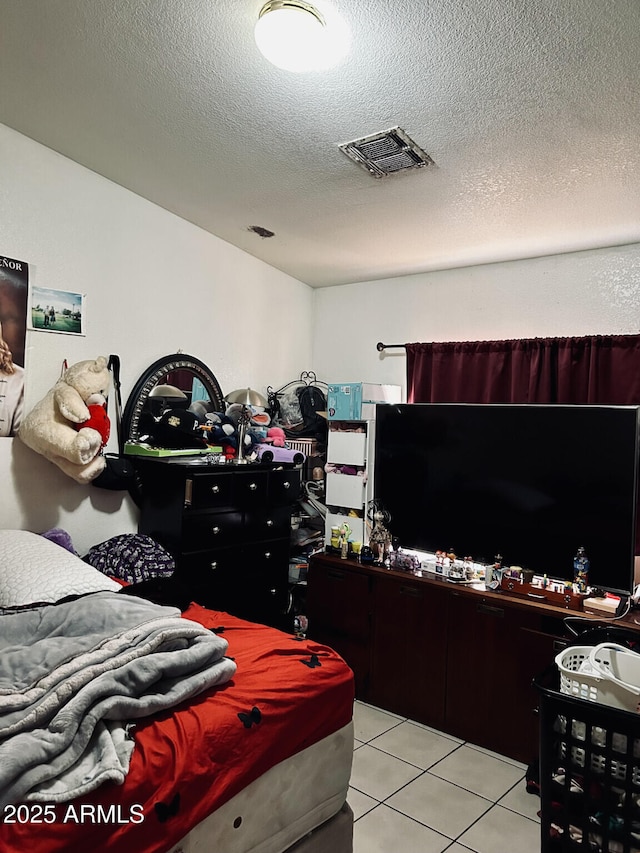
350,443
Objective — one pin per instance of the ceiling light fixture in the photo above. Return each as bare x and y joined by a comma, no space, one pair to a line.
295,36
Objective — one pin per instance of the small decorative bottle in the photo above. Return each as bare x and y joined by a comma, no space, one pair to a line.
345,532
580,571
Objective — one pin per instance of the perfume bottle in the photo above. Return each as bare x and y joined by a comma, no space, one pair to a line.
580,571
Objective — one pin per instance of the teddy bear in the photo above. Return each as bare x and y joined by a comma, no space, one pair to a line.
55,427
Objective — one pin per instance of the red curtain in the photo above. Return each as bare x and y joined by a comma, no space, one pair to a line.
599,369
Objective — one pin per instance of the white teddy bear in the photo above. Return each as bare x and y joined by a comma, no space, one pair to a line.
49,427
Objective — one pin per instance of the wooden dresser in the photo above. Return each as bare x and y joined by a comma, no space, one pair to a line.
228,528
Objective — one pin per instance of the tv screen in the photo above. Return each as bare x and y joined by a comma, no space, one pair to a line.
530,482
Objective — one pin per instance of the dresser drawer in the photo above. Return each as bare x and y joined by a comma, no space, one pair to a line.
262,583
212,578
266,558
209,490
250,489
206,530
274,523
252,582
265,605
208,567
284,486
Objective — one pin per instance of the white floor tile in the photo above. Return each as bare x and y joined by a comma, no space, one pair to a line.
515,763
502,831
369,722
435,788
518,800
414,744
439,804
379,775
384,830
478,772
442,734
360,803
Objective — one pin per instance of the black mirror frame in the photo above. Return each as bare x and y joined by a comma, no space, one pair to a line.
153,376
143,387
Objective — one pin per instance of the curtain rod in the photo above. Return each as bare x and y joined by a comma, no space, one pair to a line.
380,346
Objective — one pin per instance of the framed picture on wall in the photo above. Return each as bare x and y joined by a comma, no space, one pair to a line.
61,311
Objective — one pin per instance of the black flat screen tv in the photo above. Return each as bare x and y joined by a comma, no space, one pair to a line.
530,482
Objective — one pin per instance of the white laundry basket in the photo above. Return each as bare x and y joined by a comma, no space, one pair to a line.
607,673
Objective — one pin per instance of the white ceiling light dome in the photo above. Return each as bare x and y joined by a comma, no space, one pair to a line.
295,36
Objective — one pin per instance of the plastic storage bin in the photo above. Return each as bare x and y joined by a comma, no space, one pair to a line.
607,673
589,768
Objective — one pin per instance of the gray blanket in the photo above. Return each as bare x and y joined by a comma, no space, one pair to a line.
73,677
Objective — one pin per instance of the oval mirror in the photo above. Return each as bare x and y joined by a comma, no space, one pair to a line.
175,381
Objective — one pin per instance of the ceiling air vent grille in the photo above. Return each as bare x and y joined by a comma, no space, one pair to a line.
387,152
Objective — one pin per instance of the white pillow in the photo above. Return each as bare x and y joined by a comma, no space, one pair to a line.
34,569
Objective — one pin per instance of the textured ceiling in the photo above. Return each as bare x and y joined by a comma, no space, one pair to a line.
529,108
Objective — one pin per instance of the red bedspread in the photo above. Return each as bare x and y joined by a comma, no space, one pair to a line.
287,694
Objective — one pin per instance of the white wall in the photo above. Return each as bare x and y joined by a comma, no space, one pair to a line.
155,284
584,293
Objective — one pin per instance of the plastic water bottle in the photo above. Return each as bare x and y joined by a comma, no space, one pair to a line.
580,571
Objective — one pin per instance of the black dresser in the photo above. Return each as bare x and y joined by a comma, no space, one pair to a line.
228,528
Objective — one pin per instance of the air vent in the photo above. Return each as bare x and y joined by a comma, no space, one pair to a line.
386,153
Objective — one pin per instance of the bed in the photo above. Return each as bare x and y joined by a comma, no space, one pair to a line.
257,761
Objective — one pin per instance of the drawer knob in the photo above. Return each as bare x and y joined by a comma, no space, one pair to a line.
286,484
269,523
215,530
273,591
252,487
267,555
215,489
213,565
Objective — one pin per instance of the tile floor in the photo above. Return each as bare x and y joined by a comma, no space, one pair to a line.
416,790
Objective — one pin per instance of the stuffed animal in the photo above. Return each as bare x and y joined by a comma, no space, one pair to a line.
55,427
220,429
235,413
200,409
259,417
276,436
